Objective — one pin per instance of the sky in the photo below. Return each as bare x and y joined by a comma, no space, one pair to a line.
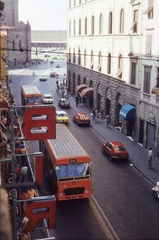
44,14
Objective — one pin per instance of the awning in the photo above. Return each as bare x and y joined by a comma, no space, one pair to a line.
79,88
87,92
127,112
4,104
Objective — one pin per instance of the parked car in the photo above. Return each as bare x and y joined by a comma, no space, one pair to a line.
58,65
62,117
43,78
52,62
52,74
115,150
47,98
63,103
81,118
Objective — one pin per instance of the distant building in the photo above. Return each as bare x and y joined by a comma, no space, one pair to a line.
49,38
113,47
18,36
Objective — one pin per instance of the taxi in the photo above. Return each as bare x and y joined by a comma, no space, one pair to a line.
62,117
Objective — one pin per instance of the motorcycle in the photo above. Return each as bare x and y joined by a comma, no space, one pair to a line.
155,190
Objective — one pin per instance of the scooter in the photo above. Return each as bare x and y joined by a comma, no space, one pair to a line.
155,190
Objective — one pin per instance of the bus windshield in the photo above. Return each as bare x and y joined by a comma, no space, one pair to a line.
73,170
34,100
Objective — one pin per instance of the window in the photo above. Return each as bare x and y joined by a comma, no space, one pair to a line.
74,28
134,26
133,72
149,10
20,43
157,84
69,58
100,24
69,27
109,64
121,30
92,30
91,64
13,44
147,72
69,3
74,2
79,57
85,62
85,26
110,23
79,26
148,44
74,56
119,71
99,62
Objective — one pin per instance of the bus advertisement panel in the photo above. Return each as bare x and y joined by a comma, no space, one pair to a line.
67,165
30,95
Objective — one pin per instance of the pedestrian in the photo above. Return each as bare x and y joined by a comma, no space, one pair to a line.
107,119
33,73
96,115
93,115
24,236
31,193
22,196
23,151
150,154
17,151
24,172
77,101
17,172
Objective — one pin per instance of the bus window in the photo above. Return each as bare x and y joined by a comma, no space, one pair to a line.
30,95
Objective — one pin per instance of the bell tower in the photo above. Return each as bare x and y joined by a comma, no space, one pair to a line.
11,11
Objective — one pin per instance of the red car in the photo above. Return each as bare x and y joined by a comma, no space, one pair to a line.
53,74
81,118
115,150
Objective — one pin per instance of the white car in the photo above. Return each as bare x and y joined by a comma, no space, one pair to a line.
47,98
43,78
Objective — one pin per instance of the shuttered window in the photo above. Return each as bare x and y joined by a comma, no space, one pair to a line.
147,72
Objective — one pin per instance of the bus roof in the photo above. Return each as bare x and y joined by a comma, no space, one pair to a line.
65,145
30,90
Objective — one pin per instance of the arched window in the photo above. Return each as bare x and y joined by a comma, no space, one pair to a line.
85,27
13,44
79,26
91,64
79,57
99,62
100,24
121,30
110,23
92,30
109,64
119,71
74,59
74,27
85,58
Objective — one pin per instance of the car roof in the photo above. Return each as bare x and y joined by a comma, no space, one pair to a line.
62,112
116,143
82,113
47,95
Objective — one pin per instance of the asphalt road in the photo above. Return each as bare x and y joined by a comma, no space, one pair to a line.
121,198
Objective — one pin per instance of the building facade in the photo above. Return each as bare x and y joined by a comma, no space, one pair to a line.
113,47
18,36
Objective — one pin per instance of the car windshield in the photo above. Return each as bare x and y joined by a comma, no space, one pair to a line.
73,170
47,97
34,100
119,148
62,115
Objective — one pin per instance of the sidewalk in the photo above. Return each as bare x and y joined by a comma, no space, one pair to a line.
138,154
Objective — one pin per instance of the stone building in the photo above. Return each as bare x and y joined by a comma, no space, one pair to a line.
18,35
113,47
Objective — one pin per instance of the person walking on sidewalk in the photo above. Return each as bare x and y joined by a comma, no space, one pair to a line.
107,119
150,154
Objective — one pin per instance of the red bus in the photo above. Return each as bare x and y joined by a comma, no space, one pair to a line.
67,165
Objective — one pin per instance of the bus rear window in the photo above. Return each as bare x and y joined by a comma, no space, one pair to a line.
73,170
34,100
